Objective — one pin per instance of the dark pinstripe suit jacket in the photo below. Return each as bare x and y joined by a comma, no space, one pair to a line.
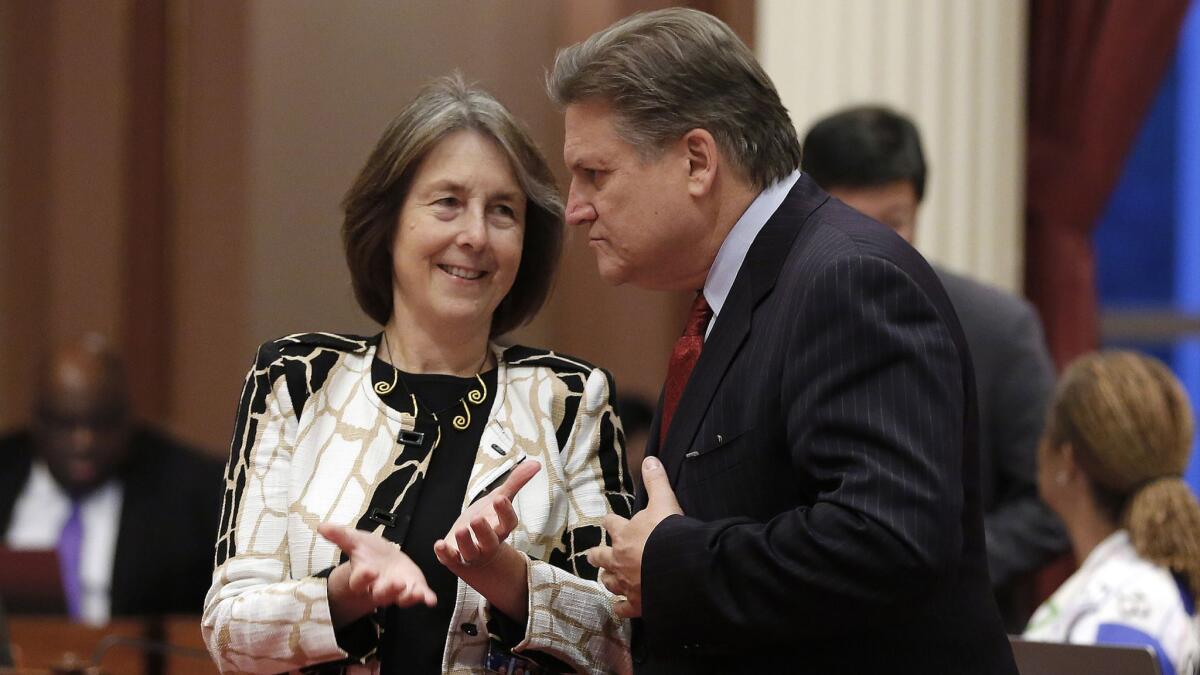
824,453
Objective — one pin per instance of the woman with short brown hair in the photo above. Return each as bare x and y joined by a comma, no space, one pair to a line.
420,500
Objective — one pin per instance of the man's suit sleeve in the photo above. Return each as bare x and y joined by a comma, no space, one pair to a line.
872,399
1022,532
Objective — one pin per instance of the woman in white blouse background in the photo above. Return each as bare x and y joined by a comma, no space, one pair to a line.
1116,444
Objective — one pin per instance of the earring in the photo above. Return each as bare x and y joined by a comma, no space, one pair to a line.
1060,478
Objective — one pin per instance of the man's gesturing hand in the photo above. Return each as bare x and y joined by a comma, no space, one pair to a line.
621,564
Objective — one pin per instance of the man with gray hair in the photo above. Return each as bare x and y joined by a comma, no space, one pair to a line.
811,499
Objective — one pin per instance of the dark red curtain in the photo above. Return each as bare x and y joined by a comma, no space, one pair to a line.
1094,68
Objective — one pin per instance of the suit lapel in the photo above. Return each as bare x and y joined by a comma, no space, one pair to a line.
754,281
16,461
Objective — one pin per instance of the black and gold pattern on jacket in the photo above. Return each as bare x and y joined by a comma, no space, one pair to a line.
314,442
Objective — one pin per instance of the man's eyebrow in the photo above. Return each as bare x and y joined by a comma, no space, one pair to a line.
592,162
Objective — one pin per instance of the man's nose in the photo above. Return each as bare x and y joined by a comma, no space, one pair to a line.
579,211
82,438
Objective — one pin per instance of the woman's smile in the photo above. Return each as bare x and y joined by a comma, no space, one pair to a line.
463,273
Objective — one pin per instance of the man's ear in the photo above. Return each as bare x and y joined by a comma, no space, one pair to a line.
703,161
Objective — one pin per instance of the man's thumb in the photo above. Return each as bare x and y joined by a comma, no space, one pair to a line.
658,487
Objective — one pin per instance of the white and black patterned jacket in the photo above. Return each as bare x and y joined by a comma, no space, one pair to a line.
313,439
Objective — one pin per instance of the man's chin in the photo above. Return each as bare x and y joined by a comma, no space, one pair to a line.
611,273
78,479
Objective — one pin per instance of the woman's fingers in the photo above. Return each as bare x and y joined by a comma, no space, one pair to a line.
343,537
403,585
408,598
384,590
416,593
467,550
506,517
518,478
468,544
444,554
485,537
361,579
411,589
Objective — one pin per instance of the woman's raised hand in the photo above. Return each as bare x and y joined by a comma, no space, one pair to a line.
479,532
379,572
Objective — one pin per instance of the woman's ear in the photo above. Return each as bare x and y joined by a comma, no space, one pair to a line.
1068,465
703,159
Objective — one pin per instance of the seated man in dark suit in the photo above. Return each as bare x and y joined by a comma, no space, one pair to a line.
870,158
131,512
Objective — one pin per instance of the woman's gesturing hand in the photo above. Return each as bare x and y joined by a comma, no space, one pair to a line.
479,532
378,572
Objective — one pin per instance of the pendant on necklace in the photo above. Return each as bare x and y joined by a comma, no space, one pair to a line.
461,422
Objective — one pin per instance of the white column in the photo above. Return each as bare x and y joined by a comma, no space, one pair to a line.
957,67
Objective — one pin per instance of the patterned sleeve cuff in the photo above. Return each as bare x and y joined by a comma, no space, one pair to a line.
508,633
280,628
572,619
359,639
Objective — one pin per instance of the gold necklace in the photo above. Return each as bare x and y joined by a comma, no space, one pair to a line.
461,421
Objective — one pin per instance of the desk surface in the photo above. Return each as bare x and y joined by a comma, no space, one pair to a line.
1051,658
40,643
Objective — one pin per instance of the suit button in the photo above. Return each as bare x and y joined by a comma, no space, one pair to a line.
720,438
470,629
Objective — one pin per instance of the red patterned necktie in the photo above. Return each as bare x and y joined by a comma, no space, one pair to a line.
683,360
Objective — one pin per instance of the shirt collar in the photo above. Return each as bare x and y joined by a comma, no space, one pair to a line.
1112,545
737,243
41,480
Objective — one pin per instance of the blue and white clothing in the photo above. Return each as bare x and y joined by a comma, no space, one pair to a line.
1117,597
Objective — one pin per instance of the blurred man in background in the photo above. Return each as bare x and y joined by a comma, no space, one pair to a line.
637,414
132,514
870,157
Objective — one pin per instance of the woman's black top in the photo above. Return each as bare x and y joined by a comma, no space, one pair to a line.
413,638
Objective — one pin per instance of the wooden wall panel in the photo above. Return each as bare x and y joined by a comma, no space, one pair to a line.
26,45
146,281
208,151
88,105
60,254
